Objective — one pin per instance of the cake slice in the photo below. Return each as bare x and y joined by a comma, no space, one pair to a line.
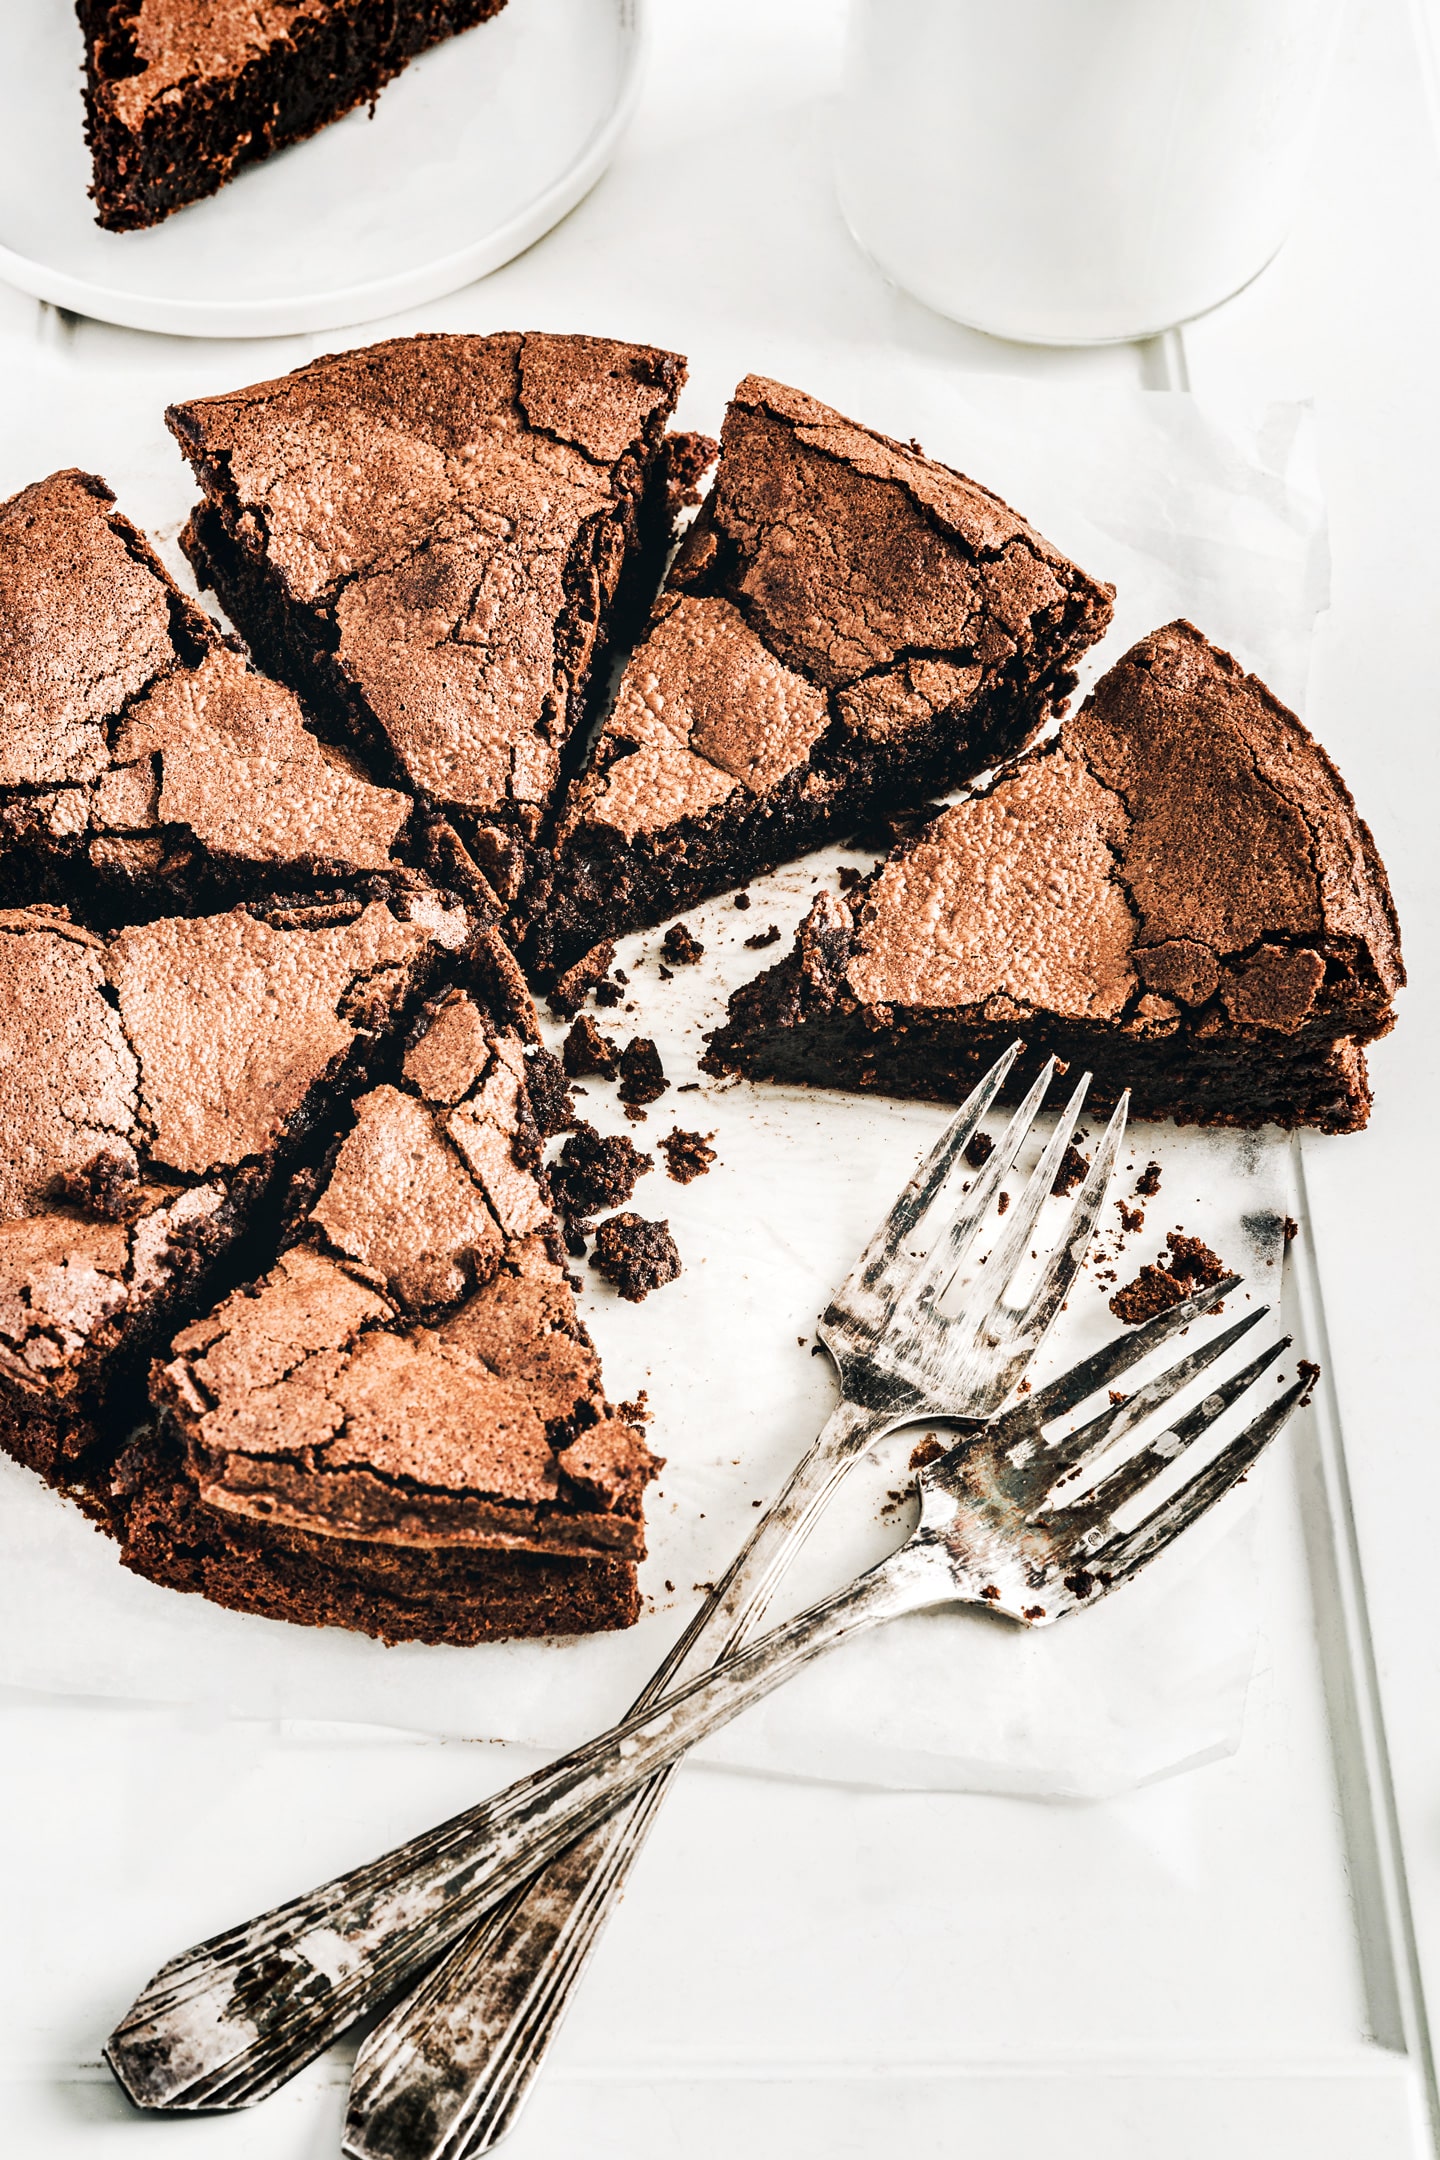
155,1083
434,540
180,94
400,1427
144,766
1176,893
849,627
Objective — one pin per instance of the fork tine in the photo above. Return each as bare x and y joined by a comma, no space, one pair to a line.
1121,1559
1031,1323
1041,1469
1133,1475
1074,1387
919,1194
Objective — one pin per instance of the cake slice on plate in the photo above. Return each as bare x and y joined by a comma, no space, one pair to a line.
144,766
434,540
1177,892
155,1084
180,94
849,628
400,1427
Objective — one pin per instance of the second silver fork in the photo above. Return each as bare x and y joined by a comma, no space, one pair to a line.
467,2053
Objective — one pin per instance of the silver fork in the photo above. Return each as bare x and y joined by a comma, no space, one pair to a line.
997,1529
226,2023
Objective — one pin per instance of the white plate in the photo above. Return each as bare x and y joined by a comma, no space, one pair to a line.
476,150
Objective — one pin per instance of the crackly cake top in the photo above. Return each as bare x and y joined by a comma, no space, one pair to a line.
172,44
430,495
1185,835
835,579
415,1371
122,713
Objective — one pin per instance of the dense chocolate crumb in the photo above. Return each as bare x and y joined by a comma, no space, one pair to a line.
742,899
550,1099
108,1186
1148,1182
1309,1372
608,993
1292,1230
680,948
979,1151
1131,1218
596,1170
925,1451
686,1154
688,457
570,991
849,877
642,1077
1191,1267
1072,1171
635,1255
587,1052
762,938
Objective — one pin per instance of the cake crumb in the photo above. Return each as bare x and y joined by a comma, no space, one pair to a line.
762,938
849,877
1148,1182
742,899
980,1149
586,1051
680,947
686,1154
925,1451
1131,1218
642,1076
595,1170
1191,1267
608,993
1292,1230
1309,1372
1072,1171
635,1255
570,991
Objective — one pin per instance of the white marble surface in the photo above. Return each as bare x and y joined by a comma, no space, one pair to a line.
1200,1966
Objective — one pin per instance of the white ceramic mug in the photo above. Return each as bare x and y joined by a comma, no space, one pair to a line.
1077,171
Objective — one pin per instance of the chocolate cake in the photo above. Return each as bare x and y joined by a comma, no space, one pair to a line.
180,94
144,766
635,1255
434,540
155,1083
848,626
1176,893
400,1426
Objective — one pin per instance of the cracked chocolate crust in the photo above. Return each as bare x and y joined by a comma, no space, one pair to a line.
495,513
179,98
198,1059
849,628
1177,893
146,768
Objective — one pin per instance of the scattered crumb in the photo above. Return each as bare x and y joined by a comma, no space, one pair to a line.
551,1102
686,1155
763,938
635,1255
667,974
1148,1182
981,1148
1118,1395
1309,1372
1072,1170
925,1451
569,992
669,1586
642,1076
1131,1218
608,993
586,1050
689,1087
1292,1229
680,948
1191,1267
742,899
849,877
638,1412
595,1170
1004,1203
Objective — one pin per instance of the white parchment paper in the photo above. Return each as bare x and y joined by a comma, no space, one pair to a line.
1189,509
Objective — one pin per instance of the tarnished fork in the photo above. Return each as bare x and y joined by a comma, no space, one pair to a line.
1002,1525
229,2021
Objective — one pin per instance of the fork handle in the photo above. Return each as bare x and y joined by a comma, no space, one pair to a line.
227,2022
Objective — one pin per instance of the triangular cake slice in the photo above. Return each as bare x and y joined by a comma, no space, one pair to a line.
848,629
156,1082
401,1426
432,540
1176,893
181,94
144,766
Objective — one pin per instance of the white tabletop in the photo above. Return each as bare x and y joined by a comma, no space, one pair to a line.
779,1981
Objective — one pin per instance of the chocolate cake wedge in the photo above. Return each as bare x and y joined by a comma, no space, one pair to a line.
145,767
155,1084
434,540
180,94
849,627
400,1427
1177,893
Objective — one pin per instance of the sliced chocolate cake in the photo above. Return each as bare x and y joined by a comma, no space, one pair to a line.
400,1427
849,627
144,767
434,540
180,94
1177,893
154,1084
